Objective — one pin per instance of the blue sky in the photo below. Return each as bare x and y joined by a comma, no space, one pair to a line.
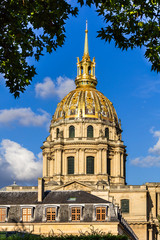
124,77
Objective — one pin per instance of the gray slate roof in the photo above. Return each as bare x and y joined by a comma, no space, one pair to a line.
63,197
15,198
57,197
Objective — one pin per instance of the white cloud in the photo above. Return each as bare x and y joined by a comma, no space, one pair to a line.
152,160
24,117
18,162
148,161
45,89
156,148
60,88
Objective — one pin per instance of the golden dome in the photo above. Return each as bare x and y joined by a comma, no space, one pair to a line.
85,101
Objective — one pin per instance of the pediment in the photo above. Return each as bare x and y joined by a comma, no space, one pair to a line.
74,185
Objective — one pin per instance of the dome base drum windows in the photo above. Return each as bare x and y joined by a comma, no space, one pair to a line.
57,132
71,132
70,163
107,133
89,131
90,165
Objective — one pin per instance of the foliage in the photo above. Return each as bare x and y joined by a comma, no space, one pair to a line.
132,23
30,27
66,237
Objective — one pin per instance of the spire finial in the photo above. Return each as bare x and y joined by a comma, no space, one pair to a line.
86,68
86,52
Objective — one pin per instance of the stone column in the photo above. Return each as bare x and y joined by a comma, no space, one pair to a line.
58,161
63,164
76,165
51,167
104,161
81,162
99,161
96,170
122,165
118,164
45,165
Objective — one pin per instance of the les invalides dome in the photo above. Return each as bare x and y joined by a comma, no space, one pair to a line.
84,145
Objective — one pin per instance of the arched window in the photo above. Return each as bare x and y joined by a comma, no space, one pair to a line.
90,165
90,131
107,133
57,132
70,163
71,132
125,205
108,166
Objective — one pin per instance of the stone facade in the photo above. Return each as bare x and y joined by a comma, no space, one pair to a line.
55,214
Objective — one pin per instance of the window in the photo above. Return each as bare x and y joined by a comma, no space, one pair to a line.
125,205
71,132
2,214
26,214
107,133
108,166
51,214
90,165
75,213
90,131
70,165
57,132
100,214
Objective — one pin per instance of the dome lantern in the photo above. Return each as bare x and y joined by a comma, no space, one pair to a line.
86,68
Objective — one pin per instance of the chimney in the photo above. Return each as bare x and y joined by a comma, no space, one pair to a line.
40,189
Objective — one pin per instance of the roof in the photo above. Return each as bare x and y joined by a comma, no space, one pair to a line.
56,197
86,103
67,197
15,198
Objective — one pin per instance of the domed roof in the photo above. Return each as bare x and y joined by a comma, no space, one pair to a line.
86,103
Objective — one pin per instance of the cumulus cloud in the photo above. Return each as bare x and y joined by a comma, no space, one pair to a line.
153,159
24,117
60,88
18,162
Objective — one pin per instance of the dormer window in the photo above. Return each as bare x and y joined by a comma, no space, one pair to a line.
3,214
26,214
101,214
51,213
